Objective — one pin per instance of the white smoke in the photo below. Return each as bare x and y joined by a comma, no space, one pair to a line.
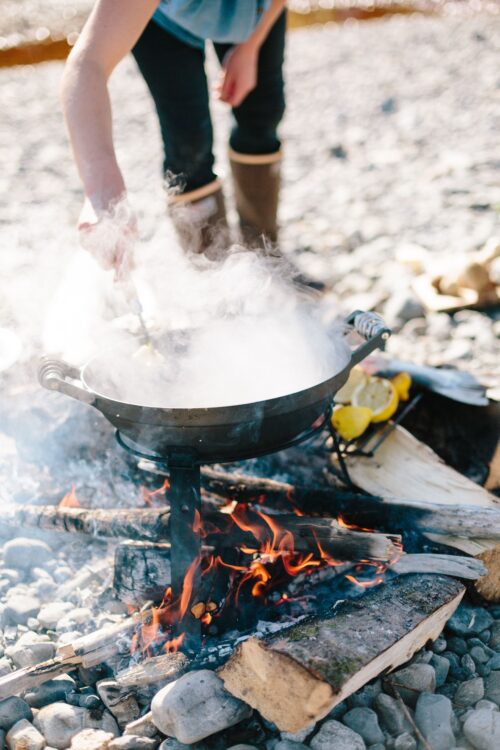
229,332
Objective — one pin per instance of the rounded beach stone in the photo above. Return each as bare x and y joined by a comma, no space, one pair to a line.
25,553
413,680
482,729
59,723
91,739
333,734
433,716
364,721
13,710
468,693
24,736
196,706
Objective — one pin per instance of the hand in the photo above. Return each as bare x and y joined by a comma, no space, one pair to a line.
109,234
239,74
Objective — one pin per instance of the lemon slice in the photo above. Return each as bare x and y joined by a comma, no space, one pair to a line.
351,421
355,379
379,395
402,384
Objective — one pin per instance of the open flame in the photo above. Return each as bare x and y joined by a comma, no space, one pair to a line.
259,569
70,499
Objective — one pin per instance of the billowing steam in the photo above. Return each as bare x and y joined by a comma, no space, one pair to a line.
227,332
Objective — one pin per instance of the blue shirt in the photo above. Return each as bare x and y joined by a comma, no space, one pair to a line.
225,21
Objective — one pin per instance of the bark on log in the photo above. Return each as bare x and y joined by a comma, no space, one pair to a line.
141,572
153,525
405,466
297,676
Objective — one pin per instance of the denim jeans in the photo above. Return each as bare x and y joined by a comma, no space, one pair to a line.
175,75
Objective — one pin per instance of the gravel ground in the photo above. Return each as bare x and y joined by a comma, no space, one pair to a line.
391,143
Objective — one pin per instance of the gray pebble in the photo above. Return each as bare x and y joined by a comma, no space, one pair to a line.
51,691
441,668
494,641
494,662
470,692
482,729
133,742
289,745
469,620
364,721
59,723
492,685
391,715
405,742
19,608
479,655
468,664
333,734
196,706
365,697
24,736
23,554
433,717
13,710
50,614
486,704
440,645
412,680
457,645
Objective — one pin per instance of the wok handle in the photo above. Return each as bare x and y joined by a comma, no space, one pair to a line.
372,328
53,374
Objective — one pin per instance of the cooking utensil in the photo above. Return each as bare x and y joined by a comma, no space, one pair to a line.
214,434
185,438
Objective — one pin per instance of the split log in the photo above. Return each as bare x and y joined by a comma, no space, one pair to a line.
297,676
405,466
141,572
467,568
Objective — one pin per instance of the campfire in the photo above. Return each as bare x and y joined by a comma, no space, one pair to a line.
294,595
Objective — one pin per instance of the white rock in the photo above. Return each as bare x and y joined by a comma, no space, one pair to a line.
196,706
91,739
24,736
30,649
25,553
59,723
482,729
50,614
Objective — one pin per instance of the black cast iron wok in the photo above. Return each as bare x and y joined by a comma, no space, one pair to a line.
217,434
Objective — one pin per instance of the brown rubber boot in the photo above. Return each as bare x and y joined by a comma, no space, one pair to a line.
199,219
256,188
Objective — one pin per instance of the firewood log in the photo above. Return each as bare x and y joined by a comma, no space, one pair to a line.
405,467
298,675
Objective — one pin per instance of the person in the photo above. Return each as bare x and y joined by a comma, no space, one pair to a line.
168,43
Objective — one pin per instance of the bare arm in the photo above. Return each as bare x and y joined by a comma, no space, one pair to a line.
111,31
240,65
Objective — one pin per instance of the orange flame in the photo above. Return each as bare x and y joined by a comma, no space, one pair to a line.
70,500
149,495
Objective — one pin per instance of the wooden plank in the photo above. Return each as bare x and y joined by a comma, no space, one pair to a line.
297,676
404,467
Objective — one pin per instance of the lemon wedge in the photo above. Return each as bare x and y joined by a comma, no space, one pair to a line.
379,395
402,384
356,377
351,421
